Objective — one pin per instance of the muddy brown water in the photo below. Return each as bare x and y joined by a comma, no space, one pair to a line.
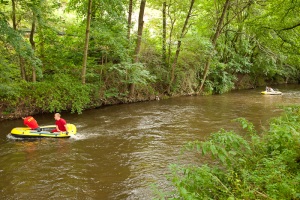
120,151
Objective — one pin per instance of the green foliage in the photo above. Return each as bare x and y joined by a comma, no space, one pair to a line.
113,92
220,80
247,125
133,73
16,43
8,71
61,93
257,40
260,167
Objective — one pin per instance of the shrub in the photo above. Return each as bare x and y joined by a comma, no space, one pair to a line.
60,93
265,166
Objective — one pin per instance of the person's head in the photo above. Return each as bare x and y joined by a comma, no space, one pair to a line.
56,116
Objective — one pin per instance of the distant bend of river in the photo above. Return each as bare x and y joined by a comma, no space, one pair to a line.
120,151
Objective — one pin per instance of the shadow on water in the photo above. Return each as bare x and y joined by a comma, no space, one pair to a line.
121,150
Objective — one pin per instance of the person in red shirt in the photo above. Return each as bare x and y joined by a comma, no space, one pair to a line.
61,124
31,123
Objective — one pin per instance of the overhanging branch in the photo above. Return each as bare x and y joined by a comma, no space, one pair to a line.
289,28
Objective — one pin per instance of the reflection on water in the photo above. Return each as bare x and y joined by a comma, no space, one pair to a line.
121,150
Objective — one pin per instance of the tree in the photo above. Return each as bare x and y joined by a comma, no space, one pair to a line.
164,33
129,23
139,40
21,60
35,11
183,33
214,40
33,45
86,45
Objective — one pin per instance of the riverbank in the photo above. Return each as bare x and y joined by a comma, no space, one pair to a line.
23,109
38,98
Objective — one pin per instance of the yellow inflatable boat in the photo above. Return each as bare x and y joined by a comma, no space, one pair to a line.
45,131
271,93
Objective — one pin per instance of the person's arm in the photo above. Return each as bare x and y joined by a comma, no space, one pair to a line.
57,128
66,128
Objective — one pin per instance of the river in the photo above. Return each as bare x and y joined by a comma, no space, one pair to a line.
120,151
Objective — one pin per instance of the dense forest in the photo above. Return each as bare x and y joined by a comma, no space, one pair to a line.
71,54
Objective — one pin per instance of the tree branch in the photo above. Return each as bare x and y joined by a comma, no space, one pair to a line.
289,28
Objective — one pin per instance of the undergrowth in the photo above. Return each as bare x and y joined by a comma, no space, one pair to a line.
251,166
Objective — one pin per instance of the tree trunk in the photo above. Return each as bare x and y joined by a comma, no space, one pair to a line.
14,14
140,31
164,35
21,59
86,46
22,67
139,40
33,45
170,35
183,32
129,20
170,42
214,41
42,47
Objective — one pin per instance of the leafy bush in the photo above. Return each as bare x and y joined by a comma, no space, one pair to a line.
265,166
60,93
134,73
220,81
